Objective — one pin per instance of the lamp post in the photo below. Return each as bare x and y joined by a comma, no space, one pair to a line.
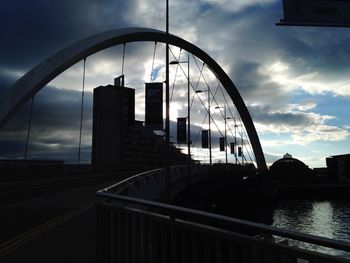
188,110
227,118
234,119
225,129
167,106
208,90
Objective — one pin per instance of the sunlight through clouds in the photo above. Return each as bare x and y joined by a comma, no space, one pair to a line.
238,5
286,76
311,82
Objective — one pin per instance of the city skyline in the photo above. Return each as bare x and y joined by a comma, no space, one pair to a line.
293,80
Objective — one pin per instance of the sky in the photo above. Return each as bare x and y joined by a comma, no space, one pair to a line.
295,81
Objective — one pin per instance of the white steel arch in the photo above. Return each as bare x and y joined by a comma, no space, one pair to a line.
35,79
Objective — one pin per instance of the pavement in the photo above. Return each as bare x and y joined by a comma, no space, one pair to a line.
58,227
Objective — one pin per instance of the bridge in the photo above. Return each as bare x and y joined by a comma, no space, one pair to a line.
135,225
136,219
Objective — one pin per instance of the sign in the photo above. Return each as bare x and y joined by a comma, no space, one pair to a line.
181,130
240,153
316,13
205,136
232,144
222,144
154,105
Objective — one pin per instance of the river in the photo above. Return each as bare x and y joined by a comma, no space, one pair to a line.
329,219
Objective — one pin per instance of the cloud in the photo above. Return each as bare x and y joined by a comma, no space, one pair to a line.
270,65
254,86
313,82
35,29
54,127
303,126
236,6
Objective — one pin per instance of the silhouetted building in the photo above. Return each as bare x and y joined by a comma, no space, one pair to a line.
338,168
321,172
145,148
120,140
27,169
290,170
113,112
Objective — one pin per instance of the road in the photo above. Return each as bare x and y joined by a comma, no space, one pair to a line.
52,227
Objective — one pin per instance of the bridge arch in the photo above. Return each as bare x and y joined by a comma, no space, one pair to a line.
35,79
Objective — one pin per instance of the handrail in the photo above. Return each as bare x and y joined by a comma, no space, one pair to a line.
119,186
132,179
173,209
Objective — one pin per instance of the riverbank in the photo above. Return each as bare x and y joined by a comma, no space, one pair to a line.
312,192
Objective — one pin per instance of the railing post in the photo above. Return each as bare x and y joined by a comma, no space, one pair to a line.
126,248
174,243
134,240
102,235
185,247
164,244
206,249
111,236
135,230
195,249
120,237
218,250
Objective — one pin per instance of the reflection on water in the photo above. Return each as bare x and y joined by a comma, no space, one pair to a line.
321,218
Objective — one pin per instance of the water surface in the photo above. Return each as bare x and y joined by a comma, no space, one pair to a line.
329,219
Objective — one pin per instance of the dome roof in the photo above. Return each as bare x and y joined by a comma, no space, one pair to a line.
288,160
289,168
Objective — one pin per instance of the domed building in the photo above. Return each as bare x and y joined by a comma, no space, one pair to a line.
290,170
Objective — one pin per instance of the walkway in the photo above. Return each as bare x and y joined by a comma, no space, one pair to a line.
52,228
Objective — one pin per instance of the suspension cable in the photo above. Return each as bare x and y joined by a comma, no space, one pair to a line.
211,101
242,135
200,129
185,74
232,116
246,147
81,111
200,76
214,100
29,127
154,54
211,118
123,59
177,67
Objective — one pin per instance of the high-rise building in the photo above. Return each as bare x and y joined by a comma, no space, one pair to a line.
338,168
117,139
113,113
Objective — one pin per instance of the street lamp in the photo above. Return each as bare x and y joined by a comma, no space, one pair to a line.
208,90
225,128
188,110
234,119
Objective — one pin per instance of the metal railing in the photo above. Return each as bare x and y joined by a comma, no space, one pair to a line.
134,230
151,185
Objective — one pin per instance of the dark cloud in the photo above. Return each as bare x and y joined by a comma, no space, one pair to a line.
53,109
251,39
255,87
32,30
5,80
54,128
269,116
12,148
243,41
